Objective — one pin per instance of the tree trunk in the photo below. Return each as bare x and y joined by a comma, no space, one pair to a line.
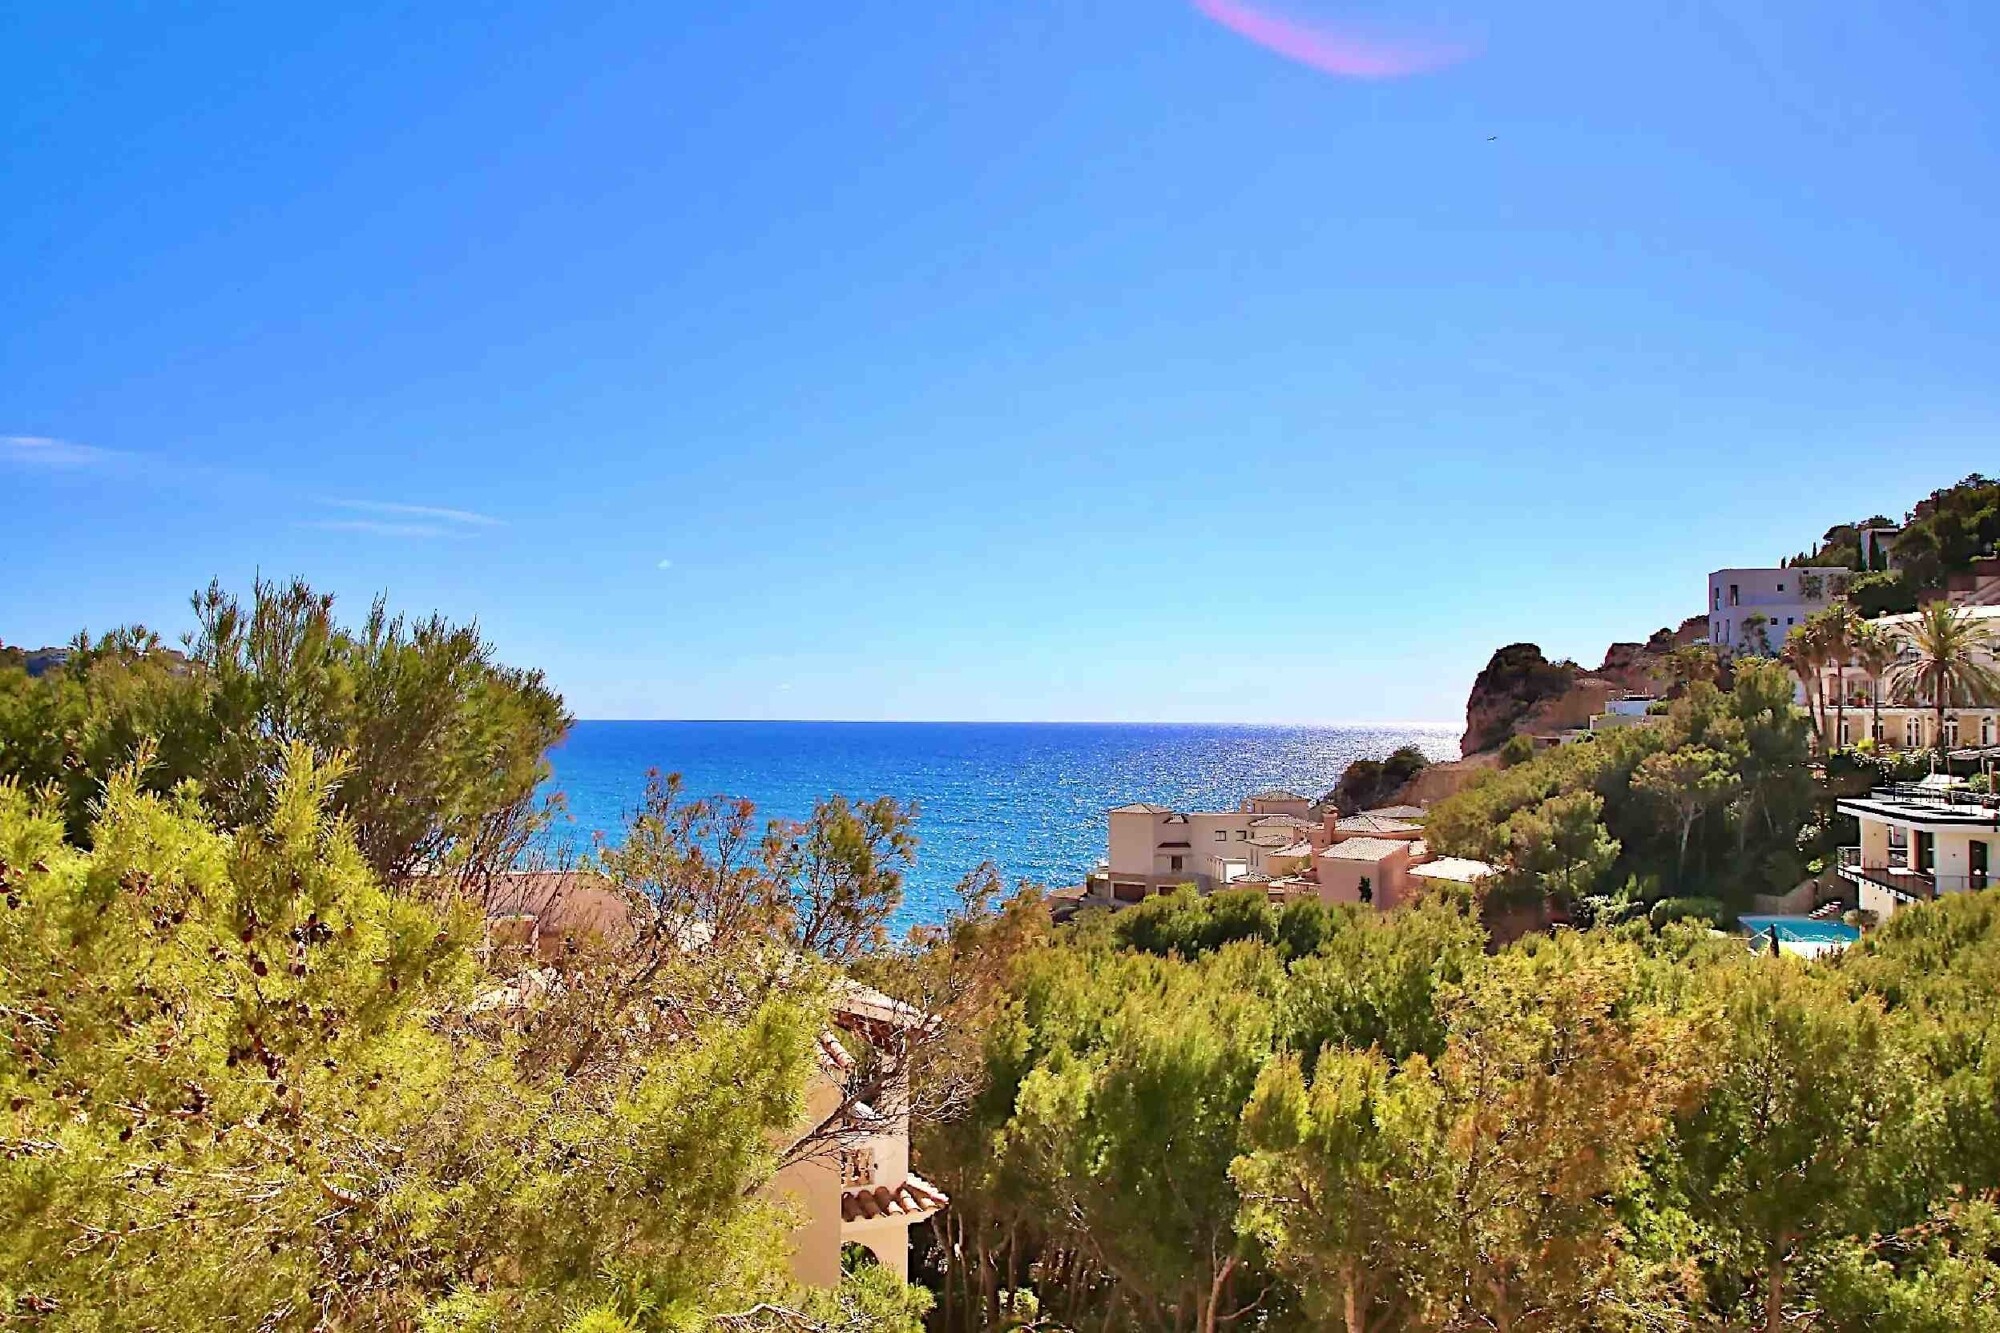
1216,1287
1774,1290
989,1297
1350,1298
947,1306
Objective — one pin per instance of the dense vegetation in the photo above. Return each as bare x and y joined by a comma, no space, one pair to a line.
444,745
262,1071
1943,534
1210,1113
1710,802
263,1068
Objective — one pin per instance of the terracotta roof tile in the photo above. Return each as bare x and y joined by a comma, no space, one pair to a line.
915,1197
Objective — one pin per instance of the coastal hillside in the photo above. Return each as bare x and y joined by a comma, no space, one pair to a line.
1900,564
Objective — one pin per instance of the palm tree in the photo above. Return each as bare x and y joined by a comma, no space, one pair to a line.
1835,627
1805,653
1875,651
1953,662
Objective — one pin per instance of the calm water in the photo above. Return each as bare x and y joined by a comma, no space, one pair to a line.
1030,797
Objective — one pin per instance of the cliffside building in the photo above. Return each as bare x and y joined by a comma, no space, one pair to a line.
1751,611
1919,842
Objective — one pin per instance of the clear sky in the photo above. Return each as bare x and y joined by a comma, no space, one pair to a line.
1132,359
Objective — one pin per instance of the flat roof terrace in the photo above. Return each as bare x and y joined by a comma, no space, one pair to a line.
1945,807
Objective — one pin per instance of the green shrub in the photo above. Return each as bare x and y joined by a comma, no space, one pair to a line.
1519,749
1688,909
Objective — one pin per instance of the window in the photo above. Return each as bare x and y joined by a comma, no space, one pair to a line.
1174,863
1734,600
1222,835
1242,835
857,1167
1781,587
1844,730
1986,728
1913,733
1951,729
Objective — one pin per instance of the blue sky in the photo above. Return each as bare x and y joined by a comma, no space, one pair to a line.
1040,360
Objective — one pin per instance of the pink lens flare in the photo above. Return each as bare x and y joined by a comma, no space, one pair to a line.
1344,54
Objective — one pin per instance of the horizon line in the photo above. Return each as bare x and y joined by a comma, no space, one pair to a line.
1020,722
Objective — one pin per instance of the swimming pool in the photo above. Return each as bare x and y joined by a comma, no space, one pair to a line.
1800,930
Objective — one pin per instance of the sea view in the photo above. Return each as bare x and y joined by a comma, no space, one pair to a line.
390,386
1030,797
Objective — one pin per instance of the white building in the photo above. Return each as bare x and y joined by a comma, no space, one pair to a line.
1919,842
1751,611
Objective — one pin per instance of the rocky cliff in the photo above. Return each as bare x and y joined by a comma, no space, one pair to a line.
1517,680
1523,692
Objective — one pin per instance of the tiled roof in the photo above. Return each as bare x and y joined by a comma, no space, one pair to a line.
1365,849
1141,808
1276,794
833,1054
1299,848
1376,824
1280,821
914,1197
1458,868
1398,811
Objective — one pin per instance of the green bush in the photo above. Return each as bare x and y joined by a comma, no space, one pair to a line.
1668,910
1519,749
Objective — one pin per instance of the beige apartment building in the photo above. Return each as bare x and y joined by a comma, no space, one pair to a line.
1371,858
1851,715
1154,848
1918,843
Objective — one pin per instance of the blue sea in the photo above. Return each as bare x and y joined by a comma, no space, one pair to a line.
1031,797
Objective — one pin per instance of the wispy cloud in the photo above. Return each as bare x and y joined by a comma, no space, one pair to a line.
1331,49
460,517
376,527
41,451
666,564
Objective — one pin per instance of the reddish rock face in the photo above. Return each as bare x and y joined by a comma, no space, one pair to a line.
1516,679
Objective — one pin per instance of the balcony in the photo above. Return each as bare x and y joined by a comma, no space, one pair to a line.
1914,886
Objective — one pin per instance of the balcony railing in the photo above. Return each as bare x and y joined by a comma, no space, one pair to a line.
1955,800
1898,878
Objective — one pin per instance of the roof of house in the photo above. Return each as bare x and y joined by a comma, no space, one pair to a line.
1397,811
1141,808
1300,848
1365,849
1280,821
915,1196
1458,868
1275,794
1376,824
